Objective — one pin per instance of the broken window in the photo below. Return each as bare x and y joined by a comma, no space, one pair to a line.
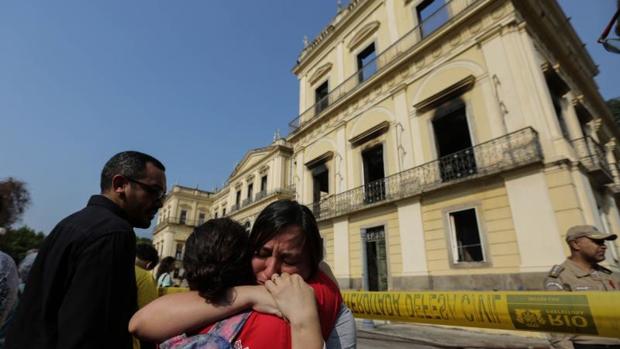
179,252
374,174
466,241
238,199
320,185
453,141
557,90
183,217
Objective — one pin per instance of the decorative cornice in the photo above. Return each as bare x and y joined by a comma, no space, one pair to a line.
370,133
446,94
337,23
363,33
319,159
320,72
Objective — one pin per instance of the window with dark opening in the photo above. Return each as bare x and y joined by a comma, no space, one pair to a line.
467,245
432,14
179,252
250,191
224,212
374,174
456,155
376,259
183,217
263,184
320,185
201,218
238,199
557,90
321,97
366,63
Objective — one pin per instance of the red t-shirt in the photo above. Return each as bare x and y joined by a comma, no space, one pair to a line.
269,331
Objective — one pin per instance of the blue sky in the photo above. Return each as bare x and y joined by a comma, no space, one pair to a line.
194,83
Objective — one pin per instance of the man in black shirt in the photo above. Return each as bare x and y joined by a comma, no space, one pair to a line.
81,291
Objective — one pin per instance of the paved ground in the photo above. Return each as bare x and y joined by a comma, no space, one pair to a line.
397,336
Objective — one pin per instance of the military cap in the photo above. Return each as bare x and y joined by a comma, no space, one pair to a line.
588,231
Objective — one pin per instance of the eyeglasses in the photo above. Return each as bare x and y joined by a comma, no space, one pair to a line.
154,190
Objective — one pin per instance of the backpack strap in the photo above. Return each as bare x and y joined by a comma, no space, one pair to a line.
229,328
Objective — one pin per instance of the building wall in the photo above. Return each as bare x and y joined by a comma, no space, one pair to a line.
498,58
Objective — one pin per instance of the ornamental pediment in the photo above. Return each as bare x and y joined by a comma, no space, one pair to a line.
320,72
363,34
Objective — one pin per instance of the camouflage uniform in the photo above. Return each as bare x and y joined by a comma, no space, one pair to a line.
570,277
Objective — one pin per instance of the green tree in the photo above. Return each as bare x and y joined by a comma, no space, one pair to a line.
17,243
14,199
614,106
143,240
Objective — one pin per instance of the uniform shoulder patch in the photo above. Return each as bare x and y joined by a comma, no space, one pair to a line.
556,271
603,269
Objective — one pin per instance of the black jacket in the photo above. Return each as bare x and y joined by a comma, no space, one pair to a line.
81,291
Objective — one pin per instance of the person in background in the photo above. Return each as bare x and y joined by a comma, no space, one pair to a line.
81,291
146,260
581,272
24,267
9,283
164,272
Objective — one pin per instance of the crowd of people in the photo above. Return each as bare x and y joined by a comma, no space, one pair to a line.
90,286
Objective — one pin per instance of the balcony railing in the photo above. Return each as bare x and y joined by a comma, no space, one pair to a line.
247,201
384,60
289,191
182,221
593,157
511,151
235,207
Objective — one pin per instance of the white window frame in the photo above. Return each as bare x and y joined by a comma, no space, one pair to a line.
453,255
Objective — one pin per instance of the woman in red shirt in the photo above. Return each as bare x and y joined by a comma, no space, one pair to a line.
284,240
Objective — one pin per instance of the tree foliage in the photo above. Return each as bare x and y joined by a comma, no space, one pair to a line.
614,106
14,199
143,240
17,243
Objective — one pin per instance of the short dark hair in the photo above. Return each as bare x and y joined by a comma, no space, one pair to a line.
129,164
147,253
217,257
282,214
165,266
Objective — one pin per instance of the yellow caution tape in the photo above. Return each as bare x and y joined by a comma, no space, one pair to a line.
588,313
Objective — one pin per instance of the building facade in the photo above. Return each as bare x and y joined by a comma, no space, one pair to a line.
443,144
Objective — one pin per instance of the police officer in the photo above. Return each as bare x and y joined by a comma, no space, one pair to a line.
581,272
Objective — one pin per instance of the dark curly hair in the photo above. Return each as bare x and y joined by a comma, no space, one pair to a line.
217,257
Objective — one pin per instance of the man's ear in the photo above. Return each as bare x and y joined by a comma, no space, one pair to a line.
119,183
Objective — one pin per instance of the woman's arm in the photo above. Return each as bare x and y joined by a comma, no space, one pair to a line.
178,313
297,303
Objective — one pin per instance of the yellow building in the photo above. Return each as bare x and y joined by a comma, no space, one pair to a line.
443,144
183,210
261,177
